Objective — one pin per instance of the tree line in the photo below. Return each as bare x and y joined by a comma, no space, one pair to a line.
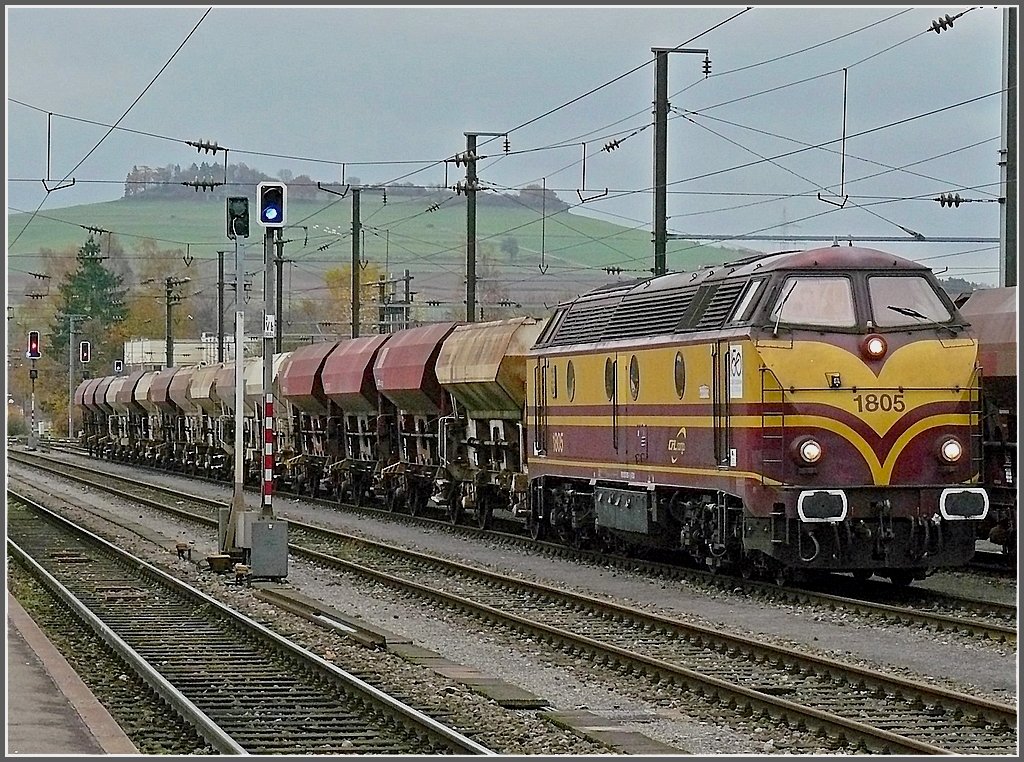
170,182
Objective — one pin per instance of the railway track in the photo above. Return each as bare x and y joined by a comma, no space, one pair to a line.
893,715
237,685
942,612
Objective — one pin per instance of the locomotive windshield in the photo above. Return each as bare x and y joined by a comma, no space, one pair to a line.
815,301
904,300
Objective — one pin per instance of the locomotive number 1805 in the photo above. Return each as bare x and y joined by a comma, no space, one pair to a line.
884,402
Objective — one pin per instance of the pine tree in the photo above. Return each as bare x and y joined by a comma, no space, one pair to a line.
94,293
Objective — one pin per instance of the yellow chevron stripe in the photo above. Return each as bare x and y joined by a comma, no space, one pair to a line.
714,472
881,472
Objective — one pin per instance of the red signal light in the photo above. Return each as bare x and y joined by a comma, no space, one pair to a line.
33,345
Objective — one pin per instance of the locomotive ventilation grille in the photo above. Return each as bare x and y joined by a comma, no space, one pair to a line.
648,314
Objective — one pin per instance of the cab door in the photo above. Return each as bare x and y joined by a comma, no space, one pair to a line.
726,379
611,390
539,422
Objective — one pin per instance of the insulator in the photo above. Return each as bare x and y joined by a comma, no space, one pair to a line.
612,145
941,24
707,65
508,145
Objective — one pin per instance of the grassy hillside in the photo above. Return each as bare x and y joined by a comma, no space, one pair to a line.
518,254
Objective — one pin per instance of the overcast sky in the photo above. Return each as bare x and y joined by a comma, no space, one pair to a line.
383,93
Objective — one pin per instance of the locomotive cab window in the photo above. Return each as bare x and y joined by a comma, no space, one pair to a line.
748,301
905,300
815,301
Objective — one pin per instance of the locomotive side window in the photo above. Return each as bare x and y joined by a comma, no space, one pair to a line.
815,301
747,301
609,378
570,380
679,374
905,300
634,377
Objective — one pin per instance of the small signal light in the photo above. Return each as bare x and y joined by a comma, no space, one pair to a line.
33,346
84,352
237,217
272,199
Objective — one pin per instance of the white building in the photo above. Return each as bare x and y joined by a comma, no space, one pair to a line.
151,354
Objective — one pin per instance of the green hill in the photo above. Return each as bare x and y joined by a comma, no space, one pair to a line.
425,233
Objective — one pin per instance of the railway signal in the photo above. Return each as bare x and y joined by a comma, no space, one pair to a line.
237,208
272,199
33,346
84,352
118,366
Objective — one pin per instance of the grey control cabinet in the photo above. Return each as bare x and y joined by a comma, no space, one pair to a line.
268,554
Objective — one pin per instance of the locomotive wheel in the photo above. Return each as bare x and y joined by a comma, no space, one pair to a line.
536,528
901,577
454,512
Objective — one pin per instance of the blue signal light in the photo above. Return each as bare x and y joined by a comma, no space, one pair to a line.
271,198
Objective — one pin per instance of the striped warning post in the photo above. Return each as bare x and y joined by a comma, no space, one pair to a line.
268,450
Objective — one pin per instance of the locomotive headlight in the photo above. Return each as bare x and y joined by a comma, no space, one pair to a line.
809,450
951,450
874,346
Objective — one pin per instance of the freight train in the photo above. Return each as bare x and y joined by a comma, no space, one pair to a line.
992,313
800,412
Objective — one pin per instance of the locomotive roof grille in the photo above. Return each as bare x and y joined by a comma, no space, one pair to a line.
655,313
648,314
720,306
585,322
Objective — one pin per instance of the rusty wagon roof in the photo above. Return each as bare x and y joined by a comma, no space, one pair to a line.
992,313
347,374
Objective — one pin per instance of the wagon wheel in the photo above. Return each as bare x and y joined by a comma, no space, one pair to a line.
415,498
454,510
536,527
862,575
358,489
392,502
484,511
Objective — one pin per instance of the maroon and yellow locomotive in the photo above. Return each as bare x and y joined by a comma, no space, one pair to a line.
813,410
